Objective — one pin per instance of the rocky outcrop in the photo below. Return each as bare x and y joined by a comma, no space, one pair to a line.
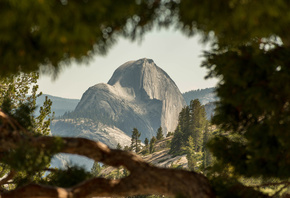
139,94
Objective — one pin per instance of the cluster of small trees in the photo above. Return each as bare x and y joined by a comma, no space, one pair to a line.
191,134
149,145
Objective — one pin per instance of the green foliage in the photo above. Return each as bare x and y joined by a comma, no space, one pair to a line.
169,134
245,20
191,137
127,148
54,33
207,155
135,140
254,108
176,142
250,56
68,177
191,154
197,123
146,148
230,187
27,159
14,100
59,105
27,162
96,169
119,147
64,31
151,144
146,142
191,122
159,134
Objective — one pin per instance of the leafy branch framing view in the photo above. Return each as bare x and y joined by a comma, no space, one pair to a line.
250,56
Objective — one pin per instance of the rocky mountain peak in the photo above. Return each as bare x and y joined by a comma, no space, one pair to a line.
139,94
141,78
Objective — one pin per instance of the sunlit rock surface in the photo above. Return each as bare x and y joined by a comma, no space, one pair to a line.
139,94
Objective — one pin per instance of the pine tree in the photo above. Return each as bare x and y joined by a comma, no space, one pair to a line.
191,155
177,141
119,147
169,134
135,141
207,156
15,101
184,121
159,134
96,169
197,123
151,145
191,122
146,141
127,148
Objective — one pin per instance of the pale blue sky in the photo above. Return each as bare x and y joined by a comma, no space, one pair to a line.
175,53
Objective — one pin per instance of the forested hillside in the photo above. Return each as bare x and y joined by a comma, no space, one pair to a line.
203,95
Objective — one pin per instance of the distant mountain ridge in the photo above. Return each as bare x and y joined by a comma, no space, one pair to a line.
203,95
139,94
59,105
64,105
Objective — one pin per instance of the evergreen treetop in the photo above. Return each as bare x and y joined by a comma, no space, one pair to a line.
146,141
135,140
159,134
191,123
25,162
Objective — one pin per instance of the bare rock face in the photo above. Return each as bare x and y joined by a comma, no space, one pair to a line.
139,94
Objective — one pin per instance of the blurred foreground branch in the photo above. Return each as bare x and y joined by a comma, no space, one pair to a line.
143,179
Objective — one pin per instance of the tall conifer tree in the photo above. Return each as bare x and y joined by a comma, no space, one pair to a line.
135,141
159,134
151,144
197,123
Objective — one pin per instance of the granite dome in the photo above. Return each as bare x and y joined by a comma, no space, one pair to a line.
139,94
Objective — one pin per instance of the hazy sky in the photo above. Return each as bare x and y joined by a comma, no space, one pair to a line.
178,55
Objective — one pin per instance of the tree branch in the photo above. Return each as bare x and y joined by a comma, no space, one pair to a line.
9,176
143,179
